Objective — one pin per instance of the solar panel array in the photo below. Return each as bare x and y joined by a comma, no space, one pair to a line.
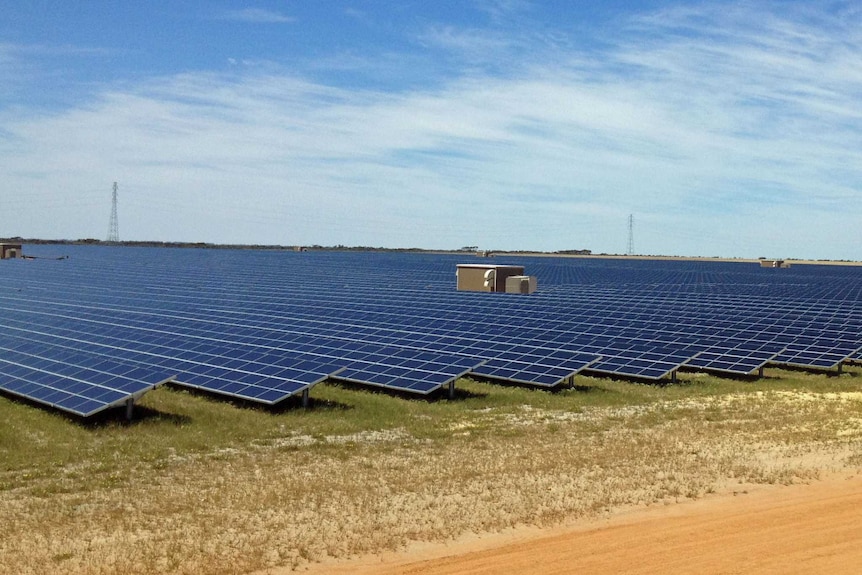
70,379
263,326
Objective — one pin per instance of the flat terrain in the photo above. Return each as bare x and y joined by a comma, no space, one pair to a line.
803,529
607,475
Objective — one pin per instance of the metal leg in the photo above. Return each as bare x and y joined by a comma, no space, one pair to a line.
130,406
305,397
452,389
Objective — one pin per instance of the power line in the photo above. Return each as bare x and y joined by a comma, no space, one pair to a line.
631,249
114,226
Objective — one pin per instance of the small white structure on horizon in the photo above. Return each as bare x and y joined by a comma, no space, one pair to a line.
10,251
774,264
494,278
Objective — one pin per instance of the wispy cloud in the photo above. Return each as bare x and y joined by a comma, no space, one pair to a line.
503,9
32,71
466,42
9,50
725,131
256,16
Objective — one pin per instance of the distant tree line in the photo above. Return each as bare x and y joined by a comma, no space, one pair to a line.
298,248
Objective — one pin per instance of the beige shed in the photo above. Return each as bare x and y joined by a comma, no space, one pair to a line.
10,251
485,277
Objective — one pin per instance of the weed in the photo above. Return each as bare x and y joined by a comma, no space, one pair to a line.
196,485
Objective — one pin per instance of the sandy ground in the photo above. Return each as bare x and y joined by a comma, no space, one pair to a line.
813,528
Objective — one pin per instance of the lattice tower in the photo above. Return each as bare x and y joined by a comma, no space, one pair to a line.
114,226
631,248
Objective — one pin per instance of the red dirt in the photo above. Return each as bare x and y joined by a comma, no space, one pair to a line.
807,529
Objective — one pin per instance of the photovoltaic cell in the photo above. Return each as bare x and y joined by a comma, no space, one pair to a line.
404,369
742,357
537,370
71,380
218,367
255,324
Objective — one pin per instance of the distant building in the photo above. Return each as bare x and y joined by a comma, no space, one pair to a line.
485,277
494,278
10,251
521,284
764,263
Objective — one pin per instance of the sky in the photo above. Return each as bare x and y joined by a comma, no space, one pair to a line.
729,129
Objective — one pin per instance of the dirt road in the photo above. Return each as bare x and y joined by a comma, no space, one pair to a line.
815,528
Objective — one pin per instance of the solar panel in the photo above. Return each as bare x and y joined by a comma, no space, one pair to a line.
742,357
266,325
218,367
405,369
257,386
827,355
536,370
72,380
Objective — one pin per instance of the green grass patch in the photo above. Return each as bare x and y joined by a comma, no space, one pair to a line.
198,484
172,423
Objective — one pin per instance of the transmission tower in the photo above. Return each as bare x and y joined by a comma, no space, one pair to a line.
114,226
631,250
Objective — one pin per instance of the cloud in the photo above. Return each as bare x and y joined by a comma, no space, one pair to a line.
500,10
256,16
38,73
473,43
11,51
726,132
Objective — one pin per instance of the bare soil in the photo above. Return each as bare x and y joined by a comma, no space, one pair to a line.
804,528
759,481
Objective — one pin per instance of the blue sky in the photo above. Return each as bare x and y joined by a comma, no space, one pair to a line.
725,128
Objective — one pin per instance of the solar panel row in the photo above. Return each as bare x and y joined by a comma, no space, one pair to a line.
736,356
267,325
216,366
70,379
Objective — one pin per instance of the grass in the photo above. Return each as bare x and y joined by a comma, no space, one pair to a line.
199,485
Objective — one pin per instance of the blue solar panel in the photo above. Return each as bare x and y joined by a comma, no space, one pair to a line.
405,369
71,380
223,368
252,324
742,357
808,354
538,370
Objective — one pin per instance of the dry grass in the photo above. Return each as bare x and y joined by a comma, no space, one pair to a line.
367,472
